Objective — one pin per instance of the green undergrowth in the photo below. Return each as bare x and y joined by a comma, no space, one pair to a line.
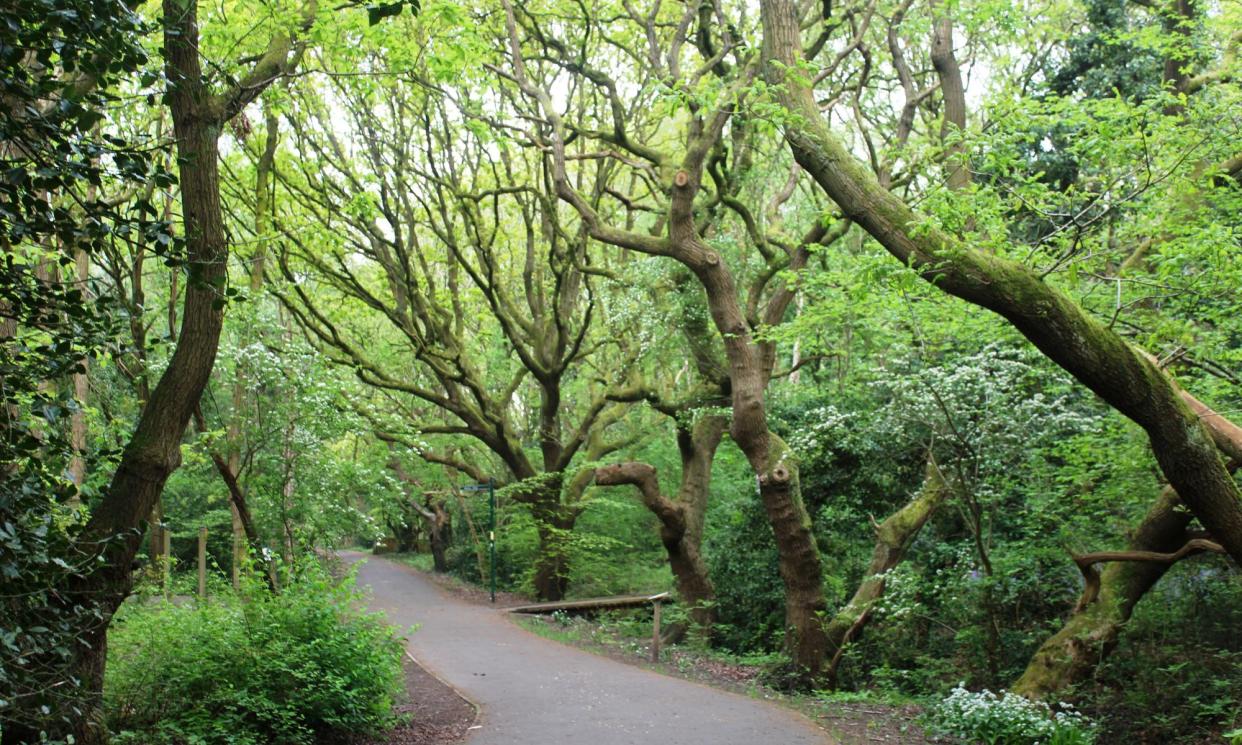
252,667
421,562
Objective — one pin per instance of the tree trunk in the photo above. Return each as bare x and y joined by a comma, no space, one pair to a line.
1094,354
1091,632
154,451
440,532
775,468
681,520
114,531
1093,628
892,539
555,523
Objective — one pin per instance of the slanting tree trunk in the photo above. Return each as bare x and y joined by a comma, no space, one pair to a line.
681,520
114,531
1093,353
1091,632
1094,627
154,451
893,538
243,524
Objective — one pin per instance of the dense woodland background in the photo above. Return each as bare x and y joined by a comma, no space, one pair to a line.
901,339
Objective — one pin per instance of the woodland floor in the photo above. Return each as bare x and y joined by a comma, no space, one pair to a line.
438,715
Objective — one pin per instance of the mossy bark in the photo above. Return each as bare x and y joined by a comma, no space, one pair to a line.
1091,632
1093,353
892,540
554,523
681,519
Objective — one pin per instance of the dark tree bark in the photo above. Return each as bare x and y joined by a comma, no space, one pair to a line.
115,528
439,532
1093,353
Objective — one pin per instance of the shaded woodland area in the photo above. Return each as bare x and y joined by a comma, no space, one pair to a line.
901,340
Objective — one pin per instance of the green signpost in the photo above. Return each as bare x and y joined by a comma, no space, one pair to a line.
490,486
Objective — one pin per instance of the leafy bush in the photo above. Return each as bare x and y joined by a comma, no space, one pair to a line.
1008,719
254,668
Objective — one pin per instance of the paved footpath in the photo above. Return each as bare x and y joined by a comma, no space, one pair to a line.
533,691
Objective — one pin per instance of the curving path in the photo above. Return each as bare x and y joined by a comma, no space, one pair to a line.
532,691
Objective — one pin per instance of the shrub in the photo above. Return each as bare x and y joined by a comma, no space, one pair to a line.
251,668
1008,719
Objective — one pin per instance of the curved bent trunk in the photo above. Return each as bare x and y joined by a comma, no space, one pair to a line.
1093,628
750,360
681,520
1091,632
892,540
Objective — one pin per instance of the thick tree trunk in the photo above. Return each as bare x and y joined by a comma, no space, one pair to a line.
798,559
154,451
1094,354
892,539
681,520
1092,630
114,531
554,523
440,532
775,468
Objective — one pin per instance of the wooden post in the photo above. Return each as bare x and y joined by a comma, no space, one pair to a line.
655,633
202,562
236,562
167,563
157,540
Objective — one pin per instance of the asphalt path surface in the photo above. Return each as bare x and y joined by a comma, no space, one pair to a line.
533,691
